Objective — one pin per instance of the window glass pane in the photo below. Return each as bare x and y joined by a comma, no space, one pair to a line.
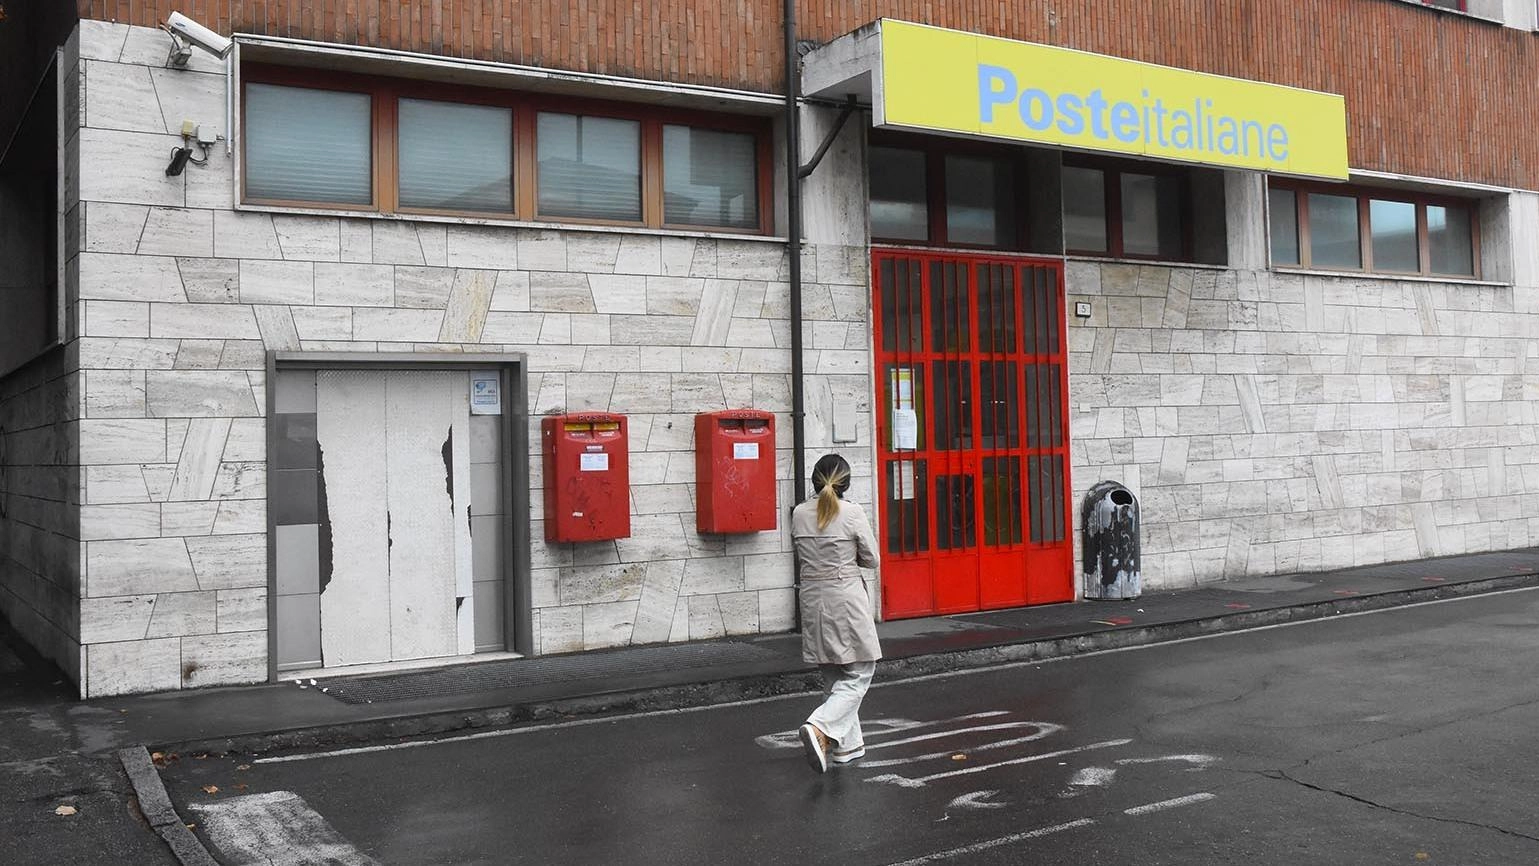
1333,238
1151,215
979,201
1392,225
1084,209
589,167
1449,241
710,178
1285,226
899,208
456,157
308,145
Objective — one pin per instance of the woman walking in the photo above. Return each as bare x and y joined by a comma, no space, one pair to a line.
834,541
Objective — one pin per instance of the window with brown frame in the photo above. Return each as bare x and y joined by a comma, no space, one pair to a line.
343,142
945,193
1334,227
1126,210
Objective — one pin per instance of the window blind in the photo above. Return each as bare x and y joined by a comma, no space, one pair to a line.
308,145
709,178
455,157
589,167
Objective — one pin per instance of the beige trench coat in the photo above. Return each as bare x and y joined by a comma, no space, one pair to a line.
837,624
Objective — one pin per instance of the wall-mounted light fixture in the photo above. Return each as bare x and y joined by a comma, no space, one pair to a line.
192,135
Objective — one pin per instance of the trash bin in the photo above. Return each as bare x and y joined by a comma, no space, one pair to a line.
1111,555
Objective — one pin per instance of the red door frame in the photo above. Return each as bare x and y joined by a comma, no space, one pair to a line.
924,579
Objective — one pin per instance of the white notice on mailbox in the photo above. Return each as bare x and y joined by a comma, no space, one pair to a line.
745,451
485,394
594,462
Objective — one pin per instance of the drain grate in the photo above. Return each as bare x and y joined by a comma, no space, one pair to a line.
519,673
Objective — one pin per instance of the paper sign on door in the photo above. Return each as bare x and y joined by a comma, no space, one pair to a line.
905,421
905,429
902,479
485,394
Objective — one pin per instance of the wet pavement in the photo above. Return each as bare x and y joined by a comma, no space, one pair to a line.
50,756
498,692
1400,736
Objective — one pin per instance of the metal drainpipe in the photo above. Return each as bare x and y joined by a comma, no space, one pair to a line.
794,247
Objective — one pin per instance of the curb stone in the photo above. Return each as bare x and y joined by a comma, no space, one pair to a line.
156,806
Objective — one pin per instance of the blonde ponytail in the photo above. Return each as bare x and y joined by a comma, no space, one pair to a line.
828,494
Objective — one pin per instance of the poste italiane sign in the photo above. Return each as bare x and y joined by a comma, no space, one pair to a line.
941,80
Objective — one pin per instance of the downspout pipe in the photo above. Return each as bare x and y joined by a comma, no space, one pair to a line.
794,248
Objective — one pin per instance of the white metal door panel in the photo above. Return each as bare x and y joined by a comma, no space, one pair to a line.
355,605
418,430
464,575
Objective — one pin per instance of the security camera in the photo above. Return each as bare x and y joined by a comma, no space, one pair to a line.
179,25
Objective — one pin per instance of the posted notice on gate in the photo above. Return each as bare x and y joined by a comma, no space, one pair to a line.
905,421
937,80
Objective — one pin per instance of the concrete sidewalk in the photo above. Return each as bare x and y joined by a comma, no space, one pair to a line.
410,703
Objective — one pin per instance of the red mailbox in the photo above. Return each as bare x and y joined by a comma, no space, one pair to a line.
587,477
735,471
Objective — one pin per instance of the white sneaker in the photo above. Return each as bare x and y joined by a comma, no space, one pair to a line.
845,756
815,744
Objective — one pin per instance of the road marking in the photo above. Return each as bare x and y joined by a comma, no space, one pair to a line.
275,829
995,843
1093,777
1038,833
932,756
747,702
906,782
884,727
1197,761
1162,805
1043,730
975,800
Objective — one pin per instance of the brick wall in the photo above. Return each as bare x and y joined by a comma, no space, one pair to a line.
1397,64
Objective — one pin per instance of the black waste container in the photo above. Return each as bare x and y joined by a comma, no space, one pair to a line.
1111,557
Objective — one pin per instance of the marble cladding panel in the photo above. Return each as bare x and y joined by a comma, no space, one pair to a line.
1269,422
1274,423
182,297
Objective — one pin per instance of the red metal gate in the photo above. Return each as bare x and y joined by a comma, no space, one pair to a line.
972,432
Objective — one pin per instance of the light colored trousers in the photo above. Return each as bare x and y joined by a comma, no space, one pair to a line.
844,687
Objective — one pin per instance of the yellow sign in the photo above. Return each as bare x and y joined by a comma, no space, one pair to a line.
950,81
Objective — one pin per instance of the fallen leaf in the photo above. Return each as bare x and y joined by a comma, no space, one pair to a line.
202,756
242,766
65,810
241,786
157,756
1423,855
210,789
192,826
958,757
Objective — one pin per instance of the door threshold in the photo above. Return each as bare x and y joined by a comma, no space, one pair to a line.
395,667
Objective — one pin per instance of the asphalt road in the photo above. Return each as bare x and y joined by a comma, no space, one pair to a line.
1400,737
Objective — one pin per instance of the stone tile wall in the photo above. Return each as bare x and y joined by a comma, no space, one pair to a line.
39,507
181,296
40,405
1274,422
